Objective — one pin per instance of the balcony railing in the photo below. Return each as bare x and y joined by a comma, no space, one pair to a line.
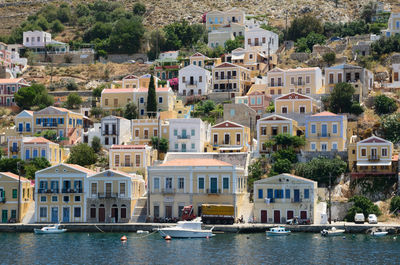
194,83
107,195
109,132
40,190
14,149
275,84
296,200
49,124
373,158
126,165
323,134
72,190
183,136
28,129
213,191
168,191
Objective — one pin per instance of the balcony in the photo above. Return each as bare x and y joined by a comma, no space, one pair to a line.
14,149
48,190
109,133
269,200
49,124
323,134
275,84
126,165
374,158
296,200
71,190
107,195
191,84
225,77
168,191
213,191
183,136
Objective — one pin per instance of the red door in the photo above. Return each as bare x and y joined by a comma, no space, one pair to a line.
264,217
102,214
290,215
303,214
277,216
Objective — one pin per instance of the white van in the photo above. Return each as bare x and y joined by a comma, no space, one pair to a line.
359,218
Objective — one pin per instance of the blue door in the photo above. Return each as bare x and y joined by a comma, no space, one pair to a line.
324,130
183,147
214,185
183,134
20,127
296,195
66,215
27,154
28,127
14,147
54,215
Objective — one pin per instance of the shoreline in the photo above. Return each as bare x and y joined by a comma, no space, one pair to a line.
235,228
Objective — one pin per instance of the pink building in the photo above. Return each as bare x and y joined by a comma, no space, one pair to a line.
8,87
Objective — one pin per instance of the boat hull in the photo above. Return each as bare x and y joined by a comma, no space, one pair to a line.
278,233
332,233
379,234
174,233
40,231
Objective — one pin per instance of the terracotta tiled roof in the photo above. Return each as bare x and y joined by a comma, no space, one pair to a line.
14,176
118,90
195,162
324,113
78,167
10,80
36,140
158,89
131,146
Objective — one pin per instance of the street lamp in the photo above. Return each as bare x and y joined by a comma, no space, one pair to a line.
19,191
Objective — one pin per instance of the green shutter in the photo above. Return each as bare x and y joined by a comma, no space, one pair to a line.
14,193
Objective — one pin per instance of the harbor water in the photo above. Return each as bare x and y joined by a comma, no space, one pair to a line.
107,248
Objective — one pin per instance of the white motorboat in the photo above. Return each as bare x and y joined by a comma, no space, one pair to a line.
277,231
186,229
55,229
379,233
332,232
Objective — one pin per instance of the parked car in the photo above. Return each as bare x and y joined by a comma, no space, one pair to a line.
359,218
372,219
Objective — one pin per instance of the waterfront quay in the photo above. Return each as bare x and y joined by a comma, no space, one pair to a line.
392,228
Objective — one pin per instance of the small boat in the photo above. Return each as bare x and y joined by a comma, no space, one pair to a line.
277,231
379,233
55,229
142,232
332,232
186,229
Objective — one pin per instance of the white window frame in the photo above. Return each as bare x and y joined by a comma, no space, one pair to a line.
337,146
361,149
313,144
324,143
387,152
311,126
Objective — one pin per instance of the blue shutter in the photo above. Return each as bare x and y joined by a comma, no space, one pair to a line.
287,194
276,194
43,153
306,193
260,193
270,193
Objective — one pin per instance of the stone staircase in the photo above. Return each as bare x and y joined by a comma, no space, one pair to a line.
140,212
29,217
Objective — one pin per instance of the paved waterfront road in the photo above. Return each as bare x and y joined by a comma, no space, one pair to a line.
106,248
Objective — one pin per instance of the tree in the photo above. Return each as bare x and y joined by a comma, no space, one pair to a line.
231,45
341,98
151,97
57,26
73,101
97,112
181,34
96,144
395,204
48,134
361,205
34,165
303,26
329,58
35,95
287,141
160,144
384,105
10,165
319,169
368,11
126,35
306,44
280,166
390,127
130,111
256,171
83,155
288,154
72,85
139,9
356,109
97,92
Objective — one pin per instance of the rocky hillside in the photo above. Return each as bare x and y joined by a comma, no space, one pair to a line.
160,13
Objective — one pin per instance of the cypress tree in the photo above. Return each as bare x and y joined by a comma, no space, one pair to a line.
151,97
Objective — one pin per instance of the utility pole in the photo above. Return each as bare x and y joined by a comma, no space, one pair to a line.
330,198
286,27
19,192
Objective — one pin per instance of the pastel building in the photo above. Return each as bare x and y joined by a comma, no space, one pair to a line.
231,78
24,123
8,87
307,81
115,130
326,132
258,98
393,25
295,103
250,58
112,196
188,135
229,136
283,197
145,129
194,81
195,181
216,19
266,41
9,186
41,42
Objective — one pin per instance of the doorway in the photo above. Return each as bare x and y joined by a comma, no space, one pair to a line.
4,217
168,211
102,214
114,213
290,214
264,216
66,215
277,216
54,214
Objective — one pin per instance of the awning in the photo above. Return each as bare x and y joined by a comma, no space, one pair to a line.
230,148
372,163
238,57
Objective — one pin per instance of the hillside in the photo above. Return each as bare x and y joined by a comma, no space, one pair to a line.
160,13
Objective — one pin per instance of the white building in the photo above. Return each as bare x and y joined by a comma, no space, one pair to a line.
194,80
115,130
37,41
219,36
188,135
266,41
173,55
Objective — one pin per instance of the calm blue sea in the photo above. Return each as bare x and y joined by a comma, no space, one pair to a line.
106,248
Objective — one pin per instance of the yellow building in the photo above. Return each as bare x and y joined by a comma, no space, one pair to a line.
325,132
371,156
67,124
231,78
112,196
24,123
61,194
216,19
191,181
251,59
306,81
144,129
295,103
271,126
9,197
32,147
393,25
230,137
131,158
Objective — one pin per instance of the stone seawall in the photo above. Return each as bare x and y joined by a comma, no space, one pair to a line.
236,228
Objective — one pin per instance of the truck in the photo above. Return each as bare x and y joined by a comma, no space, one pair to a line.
217,213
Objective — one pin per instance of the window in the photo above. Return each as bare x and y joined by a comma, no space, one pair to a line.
225,183
77,212
287,194
200,79
313,146
122,189
260,193
253,101
160,100
279,194
181,183
141,100
384,152
43,212
263,130
175,132
330,78
292,80
77,198
94,188
14,193
168,183
201,183
13,214
66,199
363,152
193,146
334,146
334,128
156,211
307,79
54,198
137,161
258,100
313,128
284,129
232,111
284,110
306,193
176,147
43,198
156,184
